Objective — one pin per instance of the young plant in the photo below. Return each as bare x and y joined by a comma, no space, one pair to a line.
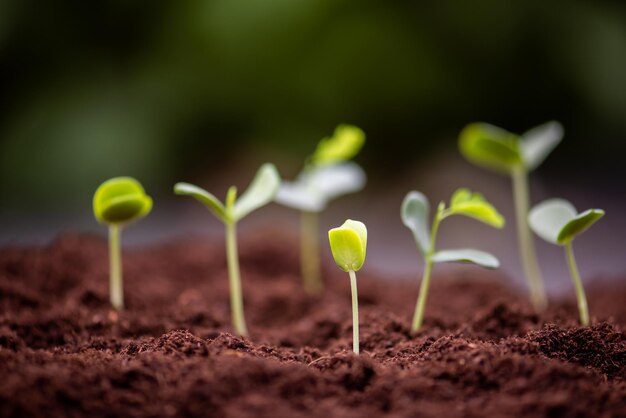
326,175
558,222
348,244
515,155
116,203
260,192
414,213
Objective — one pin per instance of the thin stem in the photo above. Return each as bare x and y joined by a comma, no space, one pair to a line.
355,312
234,277
578,285
309,253
526,244
116,287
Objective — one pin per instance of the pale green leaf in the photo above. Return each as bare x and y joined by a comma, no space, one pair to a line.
204,197
346,142
474,205
538,142
414,214
121,200
348,244
467,255
490,147
261,191
558,222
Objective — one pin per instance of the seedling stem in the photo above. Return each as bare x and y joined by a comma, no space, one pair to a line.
578,284
116,288
355,312
309,253
232,257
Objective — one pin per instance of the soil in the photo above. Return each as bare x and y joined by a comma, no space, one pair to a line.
482,351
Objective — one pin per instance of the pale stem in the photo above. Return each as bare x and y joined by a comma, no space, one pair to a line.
116,287
355,312
578,285
234,278
309,253
526,244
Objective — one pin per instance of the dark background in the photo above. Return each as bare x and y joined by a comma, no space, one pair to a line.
206,91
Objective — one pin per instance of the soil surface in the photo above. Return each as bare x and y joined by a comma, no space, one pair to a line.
482,351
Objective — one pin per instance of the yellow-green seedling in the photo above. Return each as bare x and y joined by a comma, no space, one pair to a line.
414,213
260,192
515,155
116,203
558,222
327,174
348,244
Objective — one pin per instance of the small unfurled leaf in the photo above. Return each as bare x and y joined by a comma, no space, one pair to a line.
314,188
121,200
558,222
345,143
467,255
261,191
490,147
348,244
538,142
204,197
474,205
414,214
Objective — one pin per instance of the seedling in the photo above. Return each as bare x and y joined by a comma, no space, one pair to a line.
326,175
414,213
348,244
116,203
260,192
558,222
514,155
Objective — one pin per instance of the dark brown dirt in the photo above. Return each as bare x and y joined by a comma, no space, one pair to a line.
482,352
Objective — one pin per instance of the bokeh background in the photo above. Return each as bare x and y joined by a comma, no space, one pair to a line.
207,90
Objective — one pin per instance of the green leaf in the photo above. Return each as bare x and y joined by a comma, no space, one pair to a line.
538,142
346,142
204,197
474,205
121,200
466,255
348,244
558,222
261,191
491,147
414,214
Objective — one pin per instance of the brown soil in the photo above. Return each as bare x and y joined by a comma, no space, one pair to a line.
482,351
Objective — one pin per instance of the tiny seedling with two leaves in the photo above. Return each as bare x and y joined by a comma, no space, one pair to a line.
348,244
116,203
515,155
414,213
558,222
261,191
327,174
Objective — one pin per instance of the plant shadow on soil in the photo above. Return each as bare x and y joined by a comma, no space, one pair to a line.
482,351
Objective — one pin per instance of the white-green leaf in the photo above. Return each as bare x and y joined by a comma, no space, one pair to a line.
261,191
414,214
203,197
474,205
490,147
348,244
558,222
538,142
467,255
346,142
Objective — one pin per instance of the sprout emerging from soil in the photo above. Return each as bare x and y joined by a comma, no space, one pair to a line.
260,192
327,174
558,222
514,155
117,202
348,244
414,213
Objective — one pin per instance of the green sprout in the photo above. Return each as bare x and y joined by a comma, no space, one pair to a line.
491,147
414,213
558,222
116,203
260,192
327,175
348,244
